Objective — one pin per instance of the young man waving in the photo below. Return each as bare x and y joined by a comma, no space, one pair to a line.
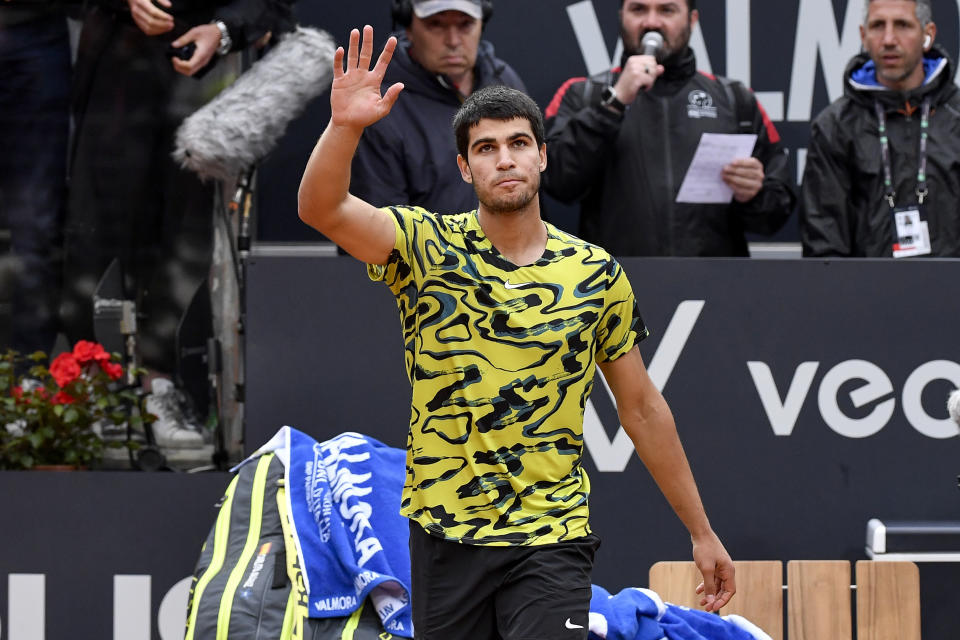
505,319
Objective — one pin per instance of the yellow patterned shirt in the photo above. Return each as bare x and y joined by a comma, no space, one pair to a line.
501,359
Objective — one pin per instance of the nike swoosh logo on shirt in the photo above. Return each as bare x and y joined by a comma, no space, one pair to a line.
570,625
515,286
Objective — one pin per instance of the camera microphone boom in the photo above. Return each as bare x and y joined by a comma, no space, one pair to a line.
652,43
235,130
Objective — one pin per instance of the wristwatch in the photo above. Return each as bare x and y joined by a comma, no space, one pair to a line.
608,98
225,41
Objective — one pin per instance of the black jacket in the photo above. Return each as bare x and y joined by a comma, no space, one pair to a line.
843,209
626,170
410,157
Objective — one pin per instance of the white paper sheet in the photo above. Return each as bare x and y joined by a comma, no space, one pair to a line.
703,182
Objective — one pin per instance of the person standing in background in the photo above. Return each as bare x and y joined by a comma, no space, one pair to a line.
34,128
408,157
621,143
882,177
128,200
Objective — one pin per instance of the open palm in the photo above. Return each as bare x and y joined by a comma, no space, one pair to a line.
355,99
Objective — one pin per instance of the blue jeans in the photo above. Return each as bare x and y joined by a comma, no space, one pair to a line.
34,127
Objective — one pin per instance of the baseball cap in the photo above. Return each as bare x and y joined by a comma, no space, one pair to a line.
426,8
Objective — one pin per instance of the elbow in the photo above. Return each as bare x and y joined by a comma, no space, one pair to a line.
309,210
303,210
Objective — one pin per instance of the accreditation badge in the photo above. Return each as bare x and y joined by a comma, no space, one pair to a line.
912,233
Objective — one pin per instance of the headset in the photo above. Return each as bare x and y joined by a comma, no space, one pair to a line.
926,41
402,12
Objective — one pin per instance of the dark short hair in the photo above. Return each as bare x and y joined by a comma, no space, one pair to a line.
495,103
691,4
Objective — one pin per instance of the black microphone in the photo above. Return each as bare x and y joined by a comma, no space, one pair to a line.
651,44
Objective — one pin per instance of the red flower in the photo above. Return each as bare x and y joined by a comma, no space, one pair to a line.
65,369
63,398
85,351
17,392
112,369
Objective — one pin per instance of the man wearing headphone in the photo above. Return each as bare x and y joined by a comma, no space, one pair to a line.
409,157
881,178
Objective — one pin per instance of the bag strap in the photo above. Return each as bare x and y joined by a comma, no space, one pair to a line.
594,84
742,102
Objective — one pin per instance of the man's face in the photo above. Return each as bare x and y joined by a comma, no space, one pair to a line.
445,42
503,163
893,37
671,18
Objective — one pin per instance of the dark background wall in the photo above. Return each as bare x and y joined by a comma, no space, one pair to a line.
792,53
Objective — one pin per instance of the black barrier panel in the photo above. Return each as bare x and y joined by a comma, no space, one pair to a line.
798,479
791,52
94,553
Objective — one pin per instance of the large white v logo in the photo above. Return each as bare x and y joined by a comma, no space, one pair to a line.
614,456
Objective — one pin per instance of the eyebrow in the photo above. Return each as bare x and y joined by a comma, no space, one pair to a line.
511,138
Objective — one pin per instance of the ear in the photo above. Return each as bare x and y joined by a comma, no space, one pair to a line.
465,172
543,157
694,18
930,34
863,38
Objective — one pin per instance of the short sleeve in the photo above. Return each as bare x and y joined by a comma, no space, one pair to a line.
418,231
621,326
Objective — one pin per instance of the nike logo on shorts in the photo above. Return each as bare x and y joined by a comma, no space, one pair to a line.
570,625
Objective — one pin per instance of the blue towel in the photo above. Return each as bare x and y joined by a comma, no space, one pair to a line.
640,614
344,497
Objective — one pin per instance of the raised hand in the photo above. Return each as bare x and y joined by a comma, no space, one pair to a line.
639,72
355,100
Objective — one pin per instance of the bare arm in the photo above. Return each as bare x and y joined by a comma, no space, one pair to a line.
646,418
325,202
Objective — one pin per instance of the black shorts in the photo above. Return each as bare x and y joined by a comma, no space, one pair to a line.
478,592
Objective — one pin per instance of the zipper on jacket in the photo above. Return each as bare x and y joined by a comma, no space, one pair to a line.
668,166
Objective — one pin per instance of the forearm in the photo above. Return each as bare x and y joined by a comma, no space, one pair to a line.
654,434
324,188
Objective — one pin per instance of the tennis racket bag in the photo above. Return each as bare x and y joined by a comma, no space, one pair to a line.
248,584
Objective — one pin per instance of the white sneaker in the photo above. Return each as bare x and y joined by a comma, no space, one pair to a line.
171,428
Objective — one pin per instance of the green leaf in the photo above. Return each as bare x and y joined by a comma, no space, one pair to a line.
70,415
58,410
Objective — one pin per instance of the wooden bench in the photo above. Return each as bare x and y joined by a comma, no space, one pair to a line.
818,597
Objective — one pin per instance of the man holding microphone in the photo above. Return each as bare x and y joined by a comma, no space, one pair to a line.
621,142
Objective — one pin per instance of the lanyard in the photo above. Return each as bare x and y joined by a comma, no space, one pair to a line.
922,190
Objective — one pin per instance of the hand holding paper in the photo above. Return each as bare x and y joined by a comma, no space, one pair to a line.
704,182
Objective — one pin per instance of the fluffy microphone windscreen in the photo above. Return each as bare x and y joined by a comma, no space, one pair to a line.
953,405
243,123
